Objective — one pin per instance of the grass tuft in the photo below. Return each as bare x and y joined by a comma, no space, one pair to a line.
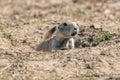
81,11
1,27
105,36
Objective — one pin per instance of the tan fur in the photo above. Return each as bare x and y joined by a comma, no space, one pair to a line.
63,39
50,33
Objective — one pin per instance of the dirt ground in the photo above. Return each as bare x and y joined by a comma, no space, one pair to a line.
24,22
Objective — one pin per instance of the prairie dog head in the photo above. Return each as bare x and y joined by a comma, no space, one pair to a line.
67,30
64,31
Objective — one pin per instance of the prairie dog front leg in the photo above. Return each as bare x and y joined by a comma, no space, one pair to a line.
70,44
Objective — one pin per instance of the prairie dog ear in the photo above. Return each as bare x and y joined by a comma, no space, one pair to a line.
77,24
50,33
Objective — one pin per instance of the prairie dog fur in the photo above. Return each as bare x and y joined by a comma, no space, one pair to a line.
63,38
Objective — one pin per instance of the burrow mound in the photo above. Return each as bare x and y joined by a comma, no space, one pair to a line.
89,36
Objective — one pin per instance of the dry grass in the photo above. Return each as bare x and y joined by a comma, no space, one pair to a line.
24,22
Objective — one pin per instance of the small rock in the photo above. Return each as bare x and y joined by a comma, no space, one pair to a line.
89,66
98,26
111,17
107,11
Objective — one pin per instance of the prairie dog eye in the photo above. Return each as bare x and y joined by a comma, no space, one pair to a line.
65,24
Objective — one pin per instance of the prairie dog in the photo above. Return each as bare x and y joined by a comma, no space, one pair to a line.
63,38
